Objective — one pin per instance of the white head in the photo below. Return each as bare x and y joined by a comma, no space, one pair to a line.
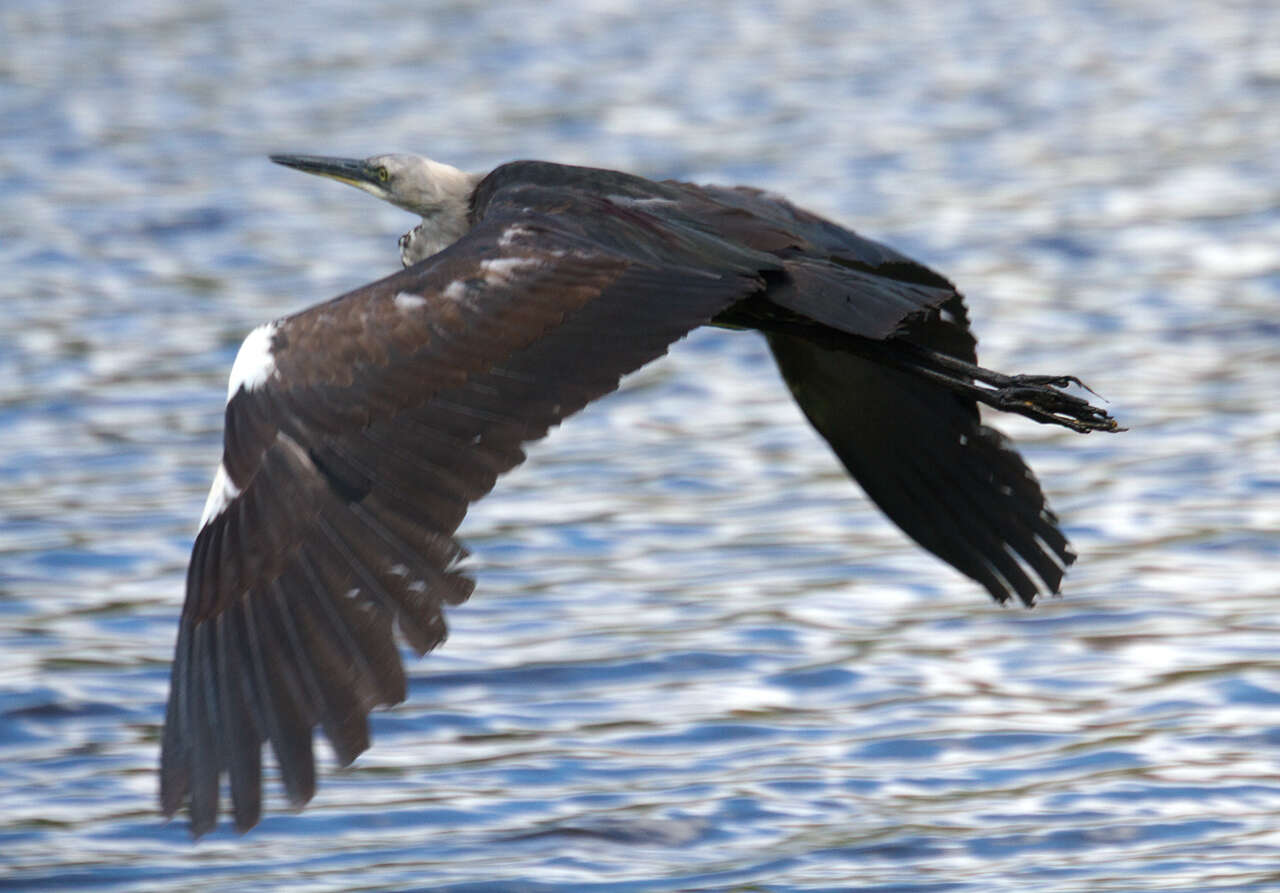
439,193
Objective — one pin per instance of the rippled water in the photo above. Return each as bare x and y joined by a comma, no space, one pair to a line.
696,659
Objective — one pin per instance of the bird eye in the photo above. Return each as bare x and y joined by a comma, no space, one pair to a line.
383,176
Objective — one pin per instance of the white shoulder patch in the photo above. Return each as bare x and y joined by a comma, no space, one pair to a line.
220,496
254,363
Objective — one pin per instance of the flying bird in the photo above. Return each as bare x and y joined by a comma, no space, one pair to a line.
359,430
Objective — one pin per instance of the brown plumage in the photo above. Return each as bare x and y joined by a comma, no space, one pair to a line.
359,431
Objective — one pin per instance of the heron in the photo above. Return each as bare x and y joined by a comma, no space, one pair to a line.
358,431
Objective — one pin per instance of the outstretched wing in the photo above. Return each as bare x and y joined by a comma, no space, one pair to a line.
919,450
357,433
956,486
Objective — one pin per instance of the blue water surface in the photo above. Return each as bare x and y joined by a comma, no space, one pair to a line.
696,659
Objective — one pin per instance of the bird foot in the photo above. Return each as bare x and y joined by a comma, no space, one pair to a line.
1040,397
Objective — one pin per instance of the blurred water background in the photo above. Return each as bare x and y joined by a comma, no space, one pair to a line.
696,659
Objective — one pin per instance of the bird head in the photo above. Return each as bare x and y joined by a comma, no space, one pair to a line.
411,182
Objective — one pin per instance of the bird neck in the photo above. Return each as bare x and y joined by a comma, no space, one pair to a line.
432,235
445,222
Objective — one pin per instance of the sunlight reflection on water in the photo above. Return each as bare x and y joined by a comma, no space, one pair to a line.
696,658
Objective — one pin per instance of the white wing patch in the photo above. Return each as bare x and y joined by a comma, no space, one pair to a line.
650,202
494,271
514,233
406,302
254,363
501,269
220,496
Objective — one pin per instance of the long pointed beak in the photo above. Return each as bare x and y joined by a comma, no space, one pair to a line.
346,170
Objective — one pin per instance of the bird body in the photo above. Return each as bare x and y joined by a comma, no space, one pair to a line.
359,430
